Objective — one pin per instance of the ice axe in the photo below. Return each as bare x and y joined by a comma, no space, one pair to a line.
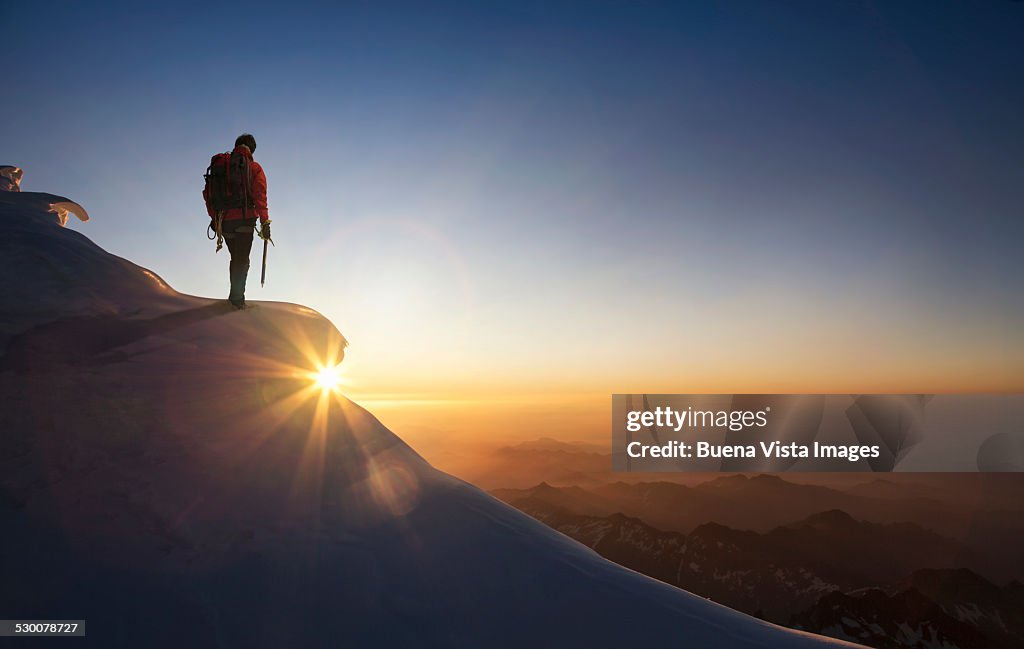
263,273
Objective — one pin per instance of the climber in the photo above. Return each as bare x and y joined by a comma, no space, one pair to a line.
236,195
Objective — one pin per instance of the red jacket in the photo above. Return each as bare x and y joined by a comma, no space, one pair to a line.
258,187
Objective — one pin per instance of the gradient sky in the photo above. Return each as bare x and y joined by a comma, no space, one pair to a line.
567,197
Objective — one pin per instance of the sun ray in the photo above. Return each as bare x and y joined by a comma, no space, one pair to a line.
328,378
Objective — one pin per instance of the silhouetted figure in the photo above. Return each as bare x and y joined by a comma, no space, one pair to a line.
236,195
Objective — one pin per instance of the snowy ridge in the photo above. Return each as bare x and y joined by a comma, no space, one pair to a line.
53,272
168,474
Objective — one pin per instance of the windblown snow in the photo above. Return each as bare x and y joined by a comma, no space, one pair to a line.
10,178
168,474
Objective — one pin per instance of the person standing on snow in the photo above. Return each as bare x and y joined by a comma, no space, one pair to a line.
236,195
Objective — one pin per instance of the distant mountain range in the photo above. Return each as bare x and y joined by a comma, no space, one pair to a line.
930,608
763,502
893,577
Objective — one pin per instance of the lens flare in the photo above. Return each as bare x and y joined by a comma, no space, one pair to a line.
328,378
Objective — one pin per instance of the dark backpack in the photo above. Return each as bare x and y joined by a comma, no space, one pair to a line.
228,179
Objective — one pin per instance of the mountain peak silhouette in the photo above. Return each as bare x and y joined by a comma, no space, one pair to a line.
173,475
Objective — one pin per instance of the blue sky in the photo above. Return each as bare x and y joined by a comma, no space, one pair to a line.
545,195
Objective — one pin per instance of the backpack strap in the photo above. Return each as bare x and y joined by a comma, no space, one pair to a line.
246,183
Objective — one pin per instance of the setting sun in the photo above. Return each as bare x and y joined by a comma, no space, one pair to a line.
328,378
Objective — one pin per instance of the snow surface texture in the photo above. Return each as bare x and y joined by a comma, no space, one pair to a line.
168,475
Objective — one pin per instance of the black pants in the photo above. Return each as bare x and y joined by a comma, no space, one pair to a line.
238,234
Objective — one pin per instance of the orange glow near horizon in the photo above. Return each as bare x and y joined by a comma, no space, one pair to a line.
771,373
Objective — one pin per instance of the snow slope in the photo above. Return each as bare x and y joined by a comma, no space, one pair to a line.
168,475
